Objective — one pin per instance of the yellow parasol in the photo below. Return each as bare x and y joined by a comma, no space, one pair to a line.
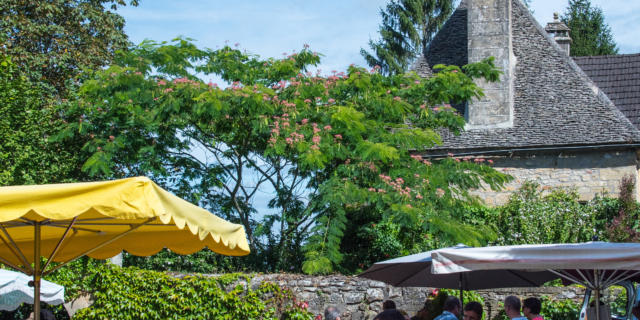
63,222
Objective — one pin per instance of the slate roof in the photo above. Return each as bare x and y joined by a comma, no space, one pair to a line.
555,102
619,77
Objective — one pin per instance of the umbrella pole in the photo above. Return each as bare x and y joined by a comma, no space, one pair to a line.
36,272
461,290
597,281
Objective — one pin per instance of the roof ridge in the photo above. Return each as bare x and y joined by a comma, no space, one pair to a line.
621,55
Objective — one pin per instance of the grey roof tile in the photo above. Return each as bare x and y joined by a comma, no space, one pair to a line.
619,77
555,104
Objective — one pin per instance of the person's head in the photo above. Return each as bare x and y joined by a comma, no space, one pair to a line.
512,306
472,311
453,305
390,314
531,306
331,313
388,304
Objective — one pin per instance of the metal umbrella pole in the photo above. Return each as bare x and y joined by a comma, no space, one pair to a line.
461,286
597,289
37,273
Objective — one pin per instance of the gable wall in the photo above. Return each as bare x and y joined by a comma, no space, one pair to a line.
589,173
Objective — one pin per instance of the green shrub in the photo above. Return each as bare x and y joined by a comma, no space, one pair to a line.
559,309
132,293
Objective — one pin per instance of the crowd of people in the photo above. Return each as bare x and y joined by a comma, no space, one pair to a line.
528,309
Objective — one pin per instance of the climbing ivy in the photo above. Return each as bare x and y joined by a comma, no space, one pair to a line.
133,293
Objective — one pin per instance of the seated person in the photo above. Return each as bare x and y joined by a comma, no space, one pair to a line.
512,308
390,314
531,308
472,311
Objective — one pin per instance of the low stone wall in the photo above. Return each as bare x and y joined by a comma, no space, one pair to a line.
360,298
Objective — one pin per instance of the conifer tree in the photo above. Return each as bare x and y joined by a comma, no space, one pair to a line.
590,35
407,28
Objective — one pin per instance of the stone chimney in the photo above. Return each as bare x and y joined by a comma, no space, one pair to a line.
560,33
489,34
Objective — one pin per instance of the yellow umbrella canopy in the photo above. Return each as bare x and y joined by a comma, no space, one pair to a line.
62,222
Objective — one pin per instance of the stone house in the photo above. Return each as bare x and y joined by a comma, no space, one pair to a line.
546,120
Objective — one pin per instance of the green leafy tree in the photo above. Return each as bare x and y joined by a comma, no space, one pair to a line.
407,28
28,118
54,40
590,35
330,148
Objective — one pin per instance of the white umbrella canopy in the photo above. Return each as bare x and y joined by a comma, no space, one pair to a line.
415,271
596,265
15,290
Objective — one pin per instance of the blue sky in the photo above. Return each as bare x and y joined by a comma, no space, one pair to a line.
335,28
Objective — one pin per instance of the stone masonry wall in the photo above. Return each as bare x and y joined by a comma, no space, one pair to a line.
589,173
359,298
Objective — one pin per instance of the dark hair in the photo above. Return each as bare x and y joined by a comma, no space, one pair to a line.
388,304
331,313
46,314
451,303
475,307
513,303
390,314
533,304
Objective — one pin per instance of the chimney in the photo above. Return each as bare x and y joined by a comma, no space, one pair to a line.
489,34
560,33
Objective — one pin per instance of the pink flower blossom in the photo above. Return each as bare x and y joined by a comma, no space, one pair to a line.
167,90
304,121
327,127
331,100
289,140
307,100
316,139
338,136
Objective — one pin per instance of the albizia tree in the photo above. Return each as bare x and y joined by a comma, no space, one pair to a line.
333,153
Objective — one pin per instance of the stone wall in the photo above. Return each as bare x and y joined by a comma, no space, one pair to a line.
589,173
359,298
